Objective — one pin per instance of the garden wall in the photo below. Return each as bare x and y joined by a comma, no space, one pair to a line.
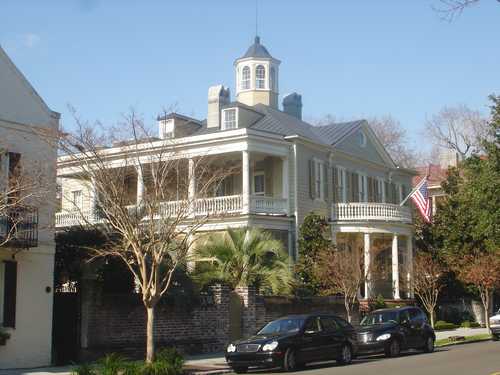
117,323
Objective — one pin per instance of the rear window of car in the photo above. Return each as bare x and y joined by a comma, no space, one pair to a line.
329,324
343,323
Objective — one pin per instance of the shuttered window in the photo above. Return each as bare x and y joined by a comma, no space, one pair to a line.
9,294
371,189
317,179
352,186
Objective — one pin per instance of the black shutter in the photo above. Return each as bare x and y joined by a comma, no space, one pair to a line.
312,179
10,291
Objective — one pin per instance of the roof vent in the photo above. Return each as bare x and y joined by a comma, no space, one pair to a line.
292,105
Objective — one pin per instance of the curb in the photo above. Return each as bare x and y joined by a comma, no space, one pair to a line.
211,372
463,343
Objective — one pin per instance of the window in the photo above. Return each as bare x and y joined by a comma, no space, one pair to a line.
245,78
259,183
224,188
329,324
260,77
343,323
77,199
320,171
352,180
229,119
379,192
317,179
338,184
312,325
361,138
273,79
362,188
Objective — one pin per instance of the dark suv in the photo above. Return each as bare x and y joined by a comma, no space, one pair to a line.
390,331
294,340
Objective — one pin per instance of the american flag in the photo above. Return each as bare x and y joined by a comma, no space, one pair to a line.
420,197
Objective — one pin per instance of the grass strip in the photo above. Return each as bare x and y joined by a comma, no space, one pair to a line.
451,341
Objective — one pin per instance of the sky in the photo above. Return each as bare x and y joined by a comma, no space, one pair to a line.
351,59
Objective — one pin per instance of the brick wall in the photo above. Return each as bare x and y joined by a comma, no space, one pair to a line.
117,323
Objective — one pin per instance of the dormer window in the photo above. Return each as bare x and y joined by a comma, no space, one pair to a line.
260,77
230,119
245,78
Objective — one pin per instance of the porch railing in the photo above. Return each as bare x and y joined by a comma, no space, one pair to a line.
231,204
371,211
19,228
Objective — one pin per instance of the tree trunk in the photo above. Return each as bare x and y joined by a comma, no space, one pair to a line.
150,339
486,305
347,310
431,313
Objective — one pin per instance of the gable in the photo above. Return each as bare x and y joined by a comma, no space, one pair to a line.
363,144
19,102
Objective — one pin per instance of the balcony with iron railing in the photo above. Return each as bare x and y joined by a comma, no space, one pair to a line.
19,228
367,211
211,207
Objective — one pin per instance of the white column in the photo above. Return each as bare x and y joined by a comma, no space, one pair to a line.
367,256
140,185
433,205
409,265
245,187
93,200
284,180
395,267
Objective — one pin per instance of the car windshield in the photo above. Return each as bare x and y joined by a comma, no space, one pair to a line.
282,326
380,318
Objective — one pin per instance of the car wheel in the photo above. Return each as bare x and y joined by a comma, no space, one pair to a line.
345,356
429,345
495,337
290,360
240,370
393,349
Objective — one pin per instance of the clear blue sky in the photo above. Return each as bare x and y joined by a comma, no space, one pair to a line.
351,58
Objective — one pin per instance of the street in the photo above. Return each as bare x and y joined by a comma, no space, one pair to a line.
470,359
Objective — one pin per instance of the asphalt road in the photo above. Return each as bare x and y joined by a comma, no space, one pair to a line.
469,359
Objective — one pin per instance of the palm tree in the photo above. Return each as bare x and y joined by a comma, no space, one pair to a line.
244,257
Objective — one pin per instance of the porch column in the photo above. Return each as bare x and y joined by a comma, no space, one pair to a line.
395,267
245,187
367,265
192,186
284,178
93,200
409,266
140,185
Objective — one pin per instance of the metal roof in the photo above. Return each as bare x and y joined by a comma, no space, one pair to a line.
257,50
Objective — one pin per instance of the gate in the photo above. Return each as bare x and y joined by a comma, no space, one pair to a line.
235,316
65,329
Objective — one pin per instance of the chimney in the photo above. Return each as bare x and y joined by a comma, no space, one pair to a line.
449,158
218,96
292,104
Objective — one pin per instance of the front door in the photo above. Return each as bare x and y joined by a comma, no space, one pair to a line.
311,341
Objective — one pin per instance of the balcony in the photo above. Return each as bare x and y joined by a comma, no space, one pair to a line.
19,228
371,212
212,207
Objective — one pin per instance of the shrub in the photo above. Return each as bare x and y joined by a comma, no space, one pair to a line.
468,324
379,303
84,369
172,357
4,335
441,325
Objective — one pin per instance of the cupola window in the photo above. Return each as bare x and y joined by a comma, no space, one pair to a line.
260,77
245,78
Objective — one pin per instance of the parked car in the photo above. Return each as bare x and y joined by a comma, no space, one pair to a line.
390,331
293,341
495,326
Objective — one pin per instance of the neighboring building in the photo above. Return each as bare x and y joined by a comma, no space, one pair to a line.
26,259
289,168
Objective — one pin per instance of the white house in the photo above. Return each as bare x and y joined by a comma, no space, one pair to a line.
288,169
26,259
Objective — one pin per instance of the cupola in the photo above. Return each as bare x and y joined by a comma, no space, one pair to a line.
257,76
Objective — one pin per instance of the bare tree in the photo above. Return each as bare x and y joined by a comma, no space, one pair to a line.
341,272
427,281
153,231
395,139
450,9
483,272
22,188
458,128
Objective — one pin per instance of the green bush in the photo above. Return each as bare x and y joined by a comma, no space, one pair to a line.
4,335
168,361
468,324
379,303
441,325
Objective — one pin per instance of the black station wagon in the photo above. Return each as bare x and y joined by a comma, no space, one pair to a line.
293,341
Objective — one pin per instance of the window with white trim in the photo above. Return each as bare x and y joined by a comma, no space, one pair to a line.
319,175
259,183
260,77
230,119
362,188
77,199
380,191
245,78
338,184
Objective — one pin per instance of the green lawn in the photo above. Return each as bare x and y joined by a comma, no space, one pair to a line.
450,341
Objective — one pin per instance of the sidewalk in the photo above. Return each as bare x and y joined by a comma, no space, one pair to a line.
461,332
